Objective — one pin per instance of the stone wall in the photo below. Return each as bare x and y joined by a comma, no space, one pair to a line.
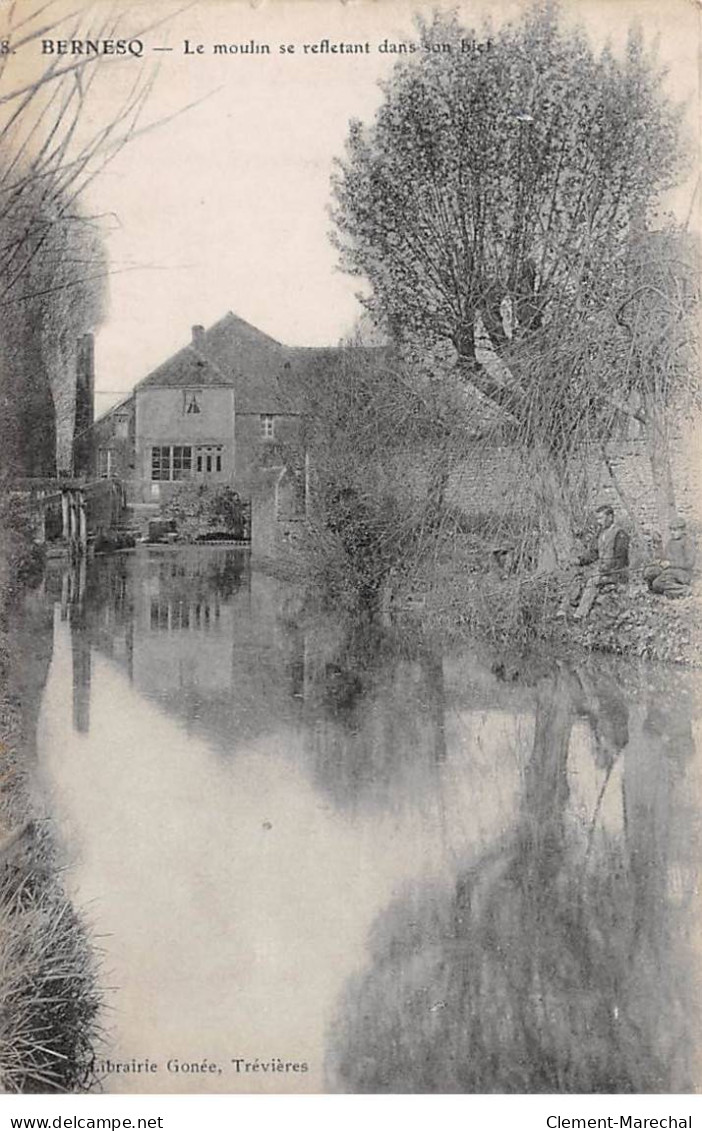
491,479
632,483
497,480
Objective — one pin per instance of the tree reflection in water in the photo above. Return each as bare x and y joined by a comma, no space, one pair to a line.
550,950
556,960
376,707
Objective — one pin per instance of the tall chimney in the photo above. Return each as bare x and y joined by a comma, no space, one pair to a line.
199,338
85,404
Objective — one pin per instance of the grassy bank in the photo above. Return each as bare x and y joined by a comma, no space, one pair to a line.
456,588
455,595
48,995
522,612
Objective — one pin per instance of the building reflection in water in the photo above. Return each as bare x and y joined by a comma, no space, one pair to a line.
184,625
545,942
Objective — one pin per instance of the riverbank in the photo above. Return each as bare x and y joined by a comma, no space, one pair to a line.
453,597
524,612
48,1021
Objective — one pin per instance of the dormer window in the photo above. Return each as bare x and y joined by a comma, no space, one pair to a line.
267,427
191,402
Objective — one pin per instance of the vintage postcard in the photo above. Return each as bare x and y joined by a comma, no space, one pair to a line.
349,586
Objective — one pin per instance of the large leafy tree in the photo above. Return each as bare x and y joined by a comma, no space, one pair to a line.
492,204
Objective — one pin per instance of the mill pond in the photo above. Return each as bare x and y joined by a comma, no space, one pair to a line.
316,854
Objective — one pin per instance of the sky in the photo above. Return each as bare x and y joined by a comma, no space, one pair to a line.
224,206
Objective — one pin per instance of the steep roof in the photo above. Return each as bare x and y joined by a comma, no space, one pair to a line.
479,414
115,408
257,363
234,341
265,373
185,369
233,353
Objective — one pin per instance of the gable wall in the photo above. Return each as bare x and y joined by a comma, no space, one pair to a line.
161,420
115,433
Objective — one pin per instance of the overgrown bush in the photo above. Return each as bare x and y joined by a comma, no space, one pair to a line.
199,509
372,536
378,433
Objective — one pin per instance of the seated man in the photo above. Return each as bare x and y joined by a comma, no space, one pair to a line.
672,575
611,560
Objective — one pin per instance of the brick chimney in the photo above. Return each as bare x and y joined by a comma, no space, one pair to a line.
85,404
199,338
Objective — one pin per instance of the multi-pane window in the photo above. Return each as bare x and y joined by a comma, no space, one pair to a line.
160,463
182,462
208,459
267,427
171,462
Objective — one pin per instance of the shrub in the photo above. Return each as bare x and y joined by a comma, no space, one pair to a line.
199,509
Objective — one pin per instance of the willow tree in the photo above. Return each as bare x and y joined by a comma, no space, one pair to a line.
490,205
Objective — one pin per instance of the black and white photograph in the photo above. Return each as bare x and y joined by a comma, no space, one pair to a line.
350,591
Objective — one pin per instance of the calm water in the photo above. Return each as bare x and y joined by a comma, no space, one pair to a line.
307,842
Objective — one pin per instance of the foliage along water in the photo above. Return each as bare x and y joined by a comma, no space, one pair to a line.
307,842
